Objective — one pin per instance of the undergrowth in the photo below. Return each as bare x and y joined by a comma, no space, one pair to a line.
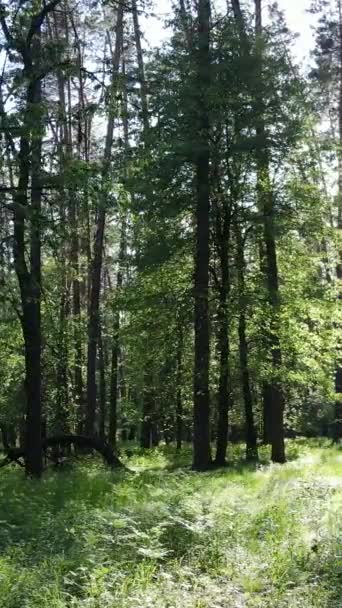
163,536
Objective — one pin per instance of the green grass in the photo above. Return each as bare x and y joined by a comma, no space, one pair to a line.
164,536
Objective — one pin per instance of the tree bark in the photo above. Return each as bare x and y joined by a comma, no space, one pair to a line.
149,436
96,265
115,363
93,324
265,389
201,443
146,431
114,392
60,441
141,71
251,435
113,411
32,313
179,397
29,278
273,387
61,413
338,372
222,238
103,388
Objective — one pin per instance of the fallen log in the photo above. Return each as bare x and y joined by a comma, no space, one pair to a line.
61,441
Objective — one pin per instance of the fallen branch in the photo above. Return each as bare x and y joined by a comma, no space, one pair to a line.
78,441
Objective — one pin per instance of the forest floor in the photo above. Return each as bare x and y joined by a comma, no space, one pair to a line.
166,537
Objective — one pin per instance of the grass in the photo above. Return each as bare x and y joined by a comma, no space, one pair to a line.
165,537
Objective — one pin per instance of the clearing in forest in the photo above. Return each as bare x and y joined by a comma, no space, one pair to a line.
167,537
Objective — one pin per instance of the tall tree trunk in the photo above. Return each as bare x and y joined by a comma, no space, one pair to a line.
114,390
61,413
141,71
103,389
338,371
202,452
273,388
96,265
149,429
222,237
33,337
179,380
78,385
30,278
4,433
93,323
58,28
266,394
251,435
114,381
113,409
76,311
146,430
266,413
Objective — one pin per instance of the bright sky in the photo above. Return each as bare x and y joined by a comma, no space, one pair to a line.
297,18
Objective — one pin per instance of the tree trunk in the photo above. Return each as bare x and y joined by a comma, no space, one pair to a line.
4,433
223,396
338,372
149,429
141,71
179,399
146,431
114,391
96,265
266,413
113,414
265,392
61,413
273,388
76,313
202,452
59,31
251,436
103,391
93,324
32,312
30,279
222,237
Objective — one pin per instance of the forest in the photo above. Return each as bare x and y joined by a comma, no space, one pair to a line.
170,305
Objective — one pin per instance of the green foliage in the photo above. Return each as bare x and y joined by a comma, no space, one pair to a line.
11,368
149,186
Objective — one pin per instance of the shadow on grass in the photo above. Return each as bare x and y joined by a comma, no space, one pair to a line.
328,572
40,517
43,514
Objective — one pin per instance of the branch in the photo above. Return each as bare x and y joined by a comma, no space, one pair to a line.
37,20
5,26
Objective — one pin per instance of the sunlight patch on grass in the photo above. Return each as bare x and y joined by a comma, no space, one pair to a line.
167,537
